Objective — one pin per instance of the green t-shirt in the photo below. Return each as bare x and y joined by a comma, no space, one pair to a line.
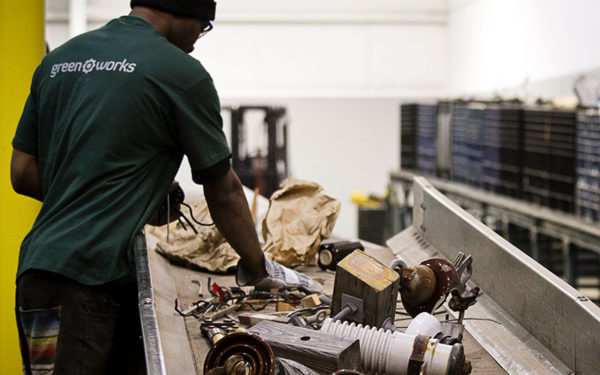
110,115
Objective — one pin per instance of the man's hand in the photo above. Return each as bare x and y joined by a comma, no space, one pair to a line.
25,175
229,210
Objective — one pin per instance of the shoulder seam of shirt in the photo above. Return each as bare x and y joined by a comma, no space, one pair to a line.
202,80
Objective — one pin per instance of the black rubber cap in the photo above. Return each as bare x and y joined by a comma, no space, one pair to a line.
456,363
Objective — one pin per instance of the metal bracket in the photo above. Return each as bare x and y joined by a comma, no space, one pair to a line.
357,314
462,298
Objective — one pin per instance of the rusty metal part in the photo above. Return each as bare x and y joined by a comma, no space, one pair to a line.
235,365
462,297
467,368
415,361
417,284
215,334
397,264
446,278
240,351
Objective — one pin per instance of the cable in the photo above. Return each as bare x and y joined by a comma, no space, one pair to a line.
193,218
483,319
192,312
305,310
260,308
187,221
437,312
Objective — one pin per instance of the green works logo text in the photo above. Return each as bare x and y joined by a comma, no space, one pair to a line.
90,65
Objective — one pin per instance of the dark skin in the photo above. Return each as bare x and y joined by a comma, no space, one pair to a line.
225,197
229,209
181,31
25,175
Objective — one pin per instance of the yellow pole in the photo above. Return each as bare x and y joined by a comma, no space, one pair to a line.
21,50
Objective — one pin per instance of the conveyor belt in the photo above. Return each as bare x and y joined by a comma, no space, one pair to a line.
184,348
536,323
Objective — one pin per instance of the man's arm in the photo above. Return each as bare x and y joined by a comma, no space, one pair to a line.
25,176
229,210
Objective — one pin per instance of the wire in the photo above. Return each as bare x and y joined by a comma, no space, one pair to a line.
192,312
305,310
437,312
244,304
187,221
483,319
181,223
193,218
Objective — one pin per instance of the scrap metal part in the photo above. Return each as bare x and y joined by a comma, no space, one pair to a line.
240,353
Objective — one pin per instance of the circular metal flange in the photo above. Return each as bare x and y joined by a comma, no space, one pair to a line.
249,349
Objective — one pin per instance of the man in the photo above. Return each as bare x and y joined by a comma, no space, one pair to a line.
109,117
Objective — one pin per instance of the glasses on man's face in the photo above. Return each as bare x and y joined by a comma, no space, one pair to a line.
206,29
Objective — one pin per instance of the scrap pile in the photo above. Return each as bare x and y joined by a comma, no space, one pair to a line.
353,331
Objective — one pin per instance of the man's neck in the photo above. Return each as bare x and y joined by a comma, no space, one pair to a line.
156,18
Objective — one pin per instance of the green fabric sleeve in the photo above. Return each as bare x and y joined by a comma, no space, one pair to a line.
27,130
199,126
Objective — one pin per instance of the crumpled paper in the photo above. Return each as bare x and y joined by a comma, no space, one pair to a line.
207,250
300,216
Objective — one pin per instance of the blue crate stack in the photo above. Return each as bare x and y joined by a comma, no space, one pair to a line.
587,194
418,131
549,158
426,139
541,154
502,137
467,144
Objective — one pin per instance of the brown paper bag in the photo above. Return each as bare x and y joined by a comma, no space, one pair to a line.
300,215
206,250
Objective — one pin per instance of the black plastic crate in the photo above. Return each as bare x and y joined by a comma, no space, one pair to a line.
587,162
467,144
418,137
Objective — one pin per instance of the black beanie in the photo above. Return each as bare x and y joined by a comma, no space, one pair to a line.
203,9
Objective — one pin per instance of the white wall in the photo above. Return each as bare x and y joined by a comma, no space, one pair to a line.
321,60
494,45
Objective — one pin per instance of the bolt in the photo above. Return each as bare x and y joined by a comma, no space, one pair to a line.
147,301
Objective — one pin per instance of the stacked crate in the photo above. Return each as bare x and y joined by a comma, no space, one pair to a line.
467,143
426,139
587,194
549,158
408,136
502,166
418,129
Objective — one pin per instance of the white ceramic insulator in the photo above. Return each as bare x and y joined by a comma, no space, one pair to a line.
424,324
386,352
